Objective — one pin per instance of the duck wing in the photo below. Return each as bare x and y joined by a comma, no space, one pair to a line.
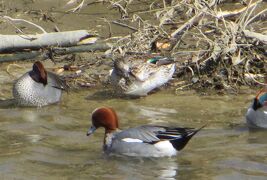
142,72
57,81
140,134
152,134
178,136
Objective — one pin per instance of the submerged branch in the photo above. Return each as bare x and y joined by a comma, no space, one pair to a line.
54,51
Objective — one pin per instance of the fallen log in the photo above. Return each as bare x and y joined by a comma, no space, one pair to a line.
83,48
13,43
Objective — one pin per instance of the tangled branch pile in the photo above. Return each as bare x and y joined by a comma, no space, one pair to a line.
213,48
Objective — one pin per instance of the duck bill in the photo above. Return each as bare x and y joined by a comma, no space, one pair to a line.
91,130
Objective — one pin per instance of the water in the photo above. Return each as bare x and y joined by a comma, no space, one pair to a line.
51,142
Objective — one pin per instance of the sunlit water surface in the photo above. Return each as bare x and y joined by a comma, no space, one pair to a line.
51,142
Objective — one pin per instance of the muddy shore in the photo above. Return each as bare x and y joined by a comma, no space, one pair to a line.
225,72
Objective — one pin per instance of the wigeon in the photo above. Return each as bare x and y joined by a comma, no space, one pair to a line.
145,141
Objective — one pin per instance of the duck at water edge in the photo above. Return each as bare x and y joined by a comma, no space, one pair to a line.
38,87
257,113
137,77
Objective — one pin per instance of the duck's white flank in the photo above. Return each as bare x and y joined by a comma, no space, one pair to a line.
132,140
166,148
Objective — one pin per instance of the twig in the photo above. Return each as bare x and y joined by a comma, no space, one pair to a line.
258,36
124,25
251,76
248,17
121,9
77,8
9,66
236,12
184,86
109,28
251,19
192,71
186,25
23,20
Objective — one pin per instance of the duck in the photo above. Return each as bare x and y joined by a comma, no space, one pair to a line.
141,141
256,116
137,77
38,87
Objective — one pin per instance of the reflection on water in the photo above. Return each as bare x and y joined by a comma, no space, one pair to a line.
51,142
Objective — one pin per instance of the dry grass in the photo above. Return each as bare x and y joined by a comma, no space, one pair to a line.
207,43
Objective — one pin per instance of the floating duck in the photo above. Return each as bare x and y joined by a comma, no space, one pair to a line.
144,141
136,77
38,87
257,113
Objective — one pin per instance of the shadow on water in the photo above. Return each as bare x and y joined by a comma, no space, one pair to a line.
102,95
7,103
109,95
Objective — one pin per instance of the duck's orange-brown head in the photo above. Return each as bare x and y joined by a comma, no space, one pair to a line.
38,73
104,117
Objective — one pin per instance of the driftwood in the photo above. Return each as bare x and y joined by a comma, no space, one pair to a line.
83,48
12,43
55,51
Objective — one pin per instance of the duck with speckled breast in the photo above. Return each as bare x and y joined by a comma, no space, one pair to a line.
38,87
135,76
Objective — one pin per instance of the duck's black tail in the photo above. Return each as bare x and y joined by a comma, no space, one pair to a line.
187,134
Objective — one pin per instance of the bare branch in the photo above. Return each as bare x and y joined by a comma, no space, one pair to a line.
23,20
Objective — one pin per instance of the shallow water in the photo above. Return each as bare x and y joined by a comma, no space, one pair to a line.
51,142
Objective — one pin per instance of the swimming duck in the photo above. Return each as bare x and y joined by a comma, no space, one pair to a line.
143,141
257,113
136,77
38,87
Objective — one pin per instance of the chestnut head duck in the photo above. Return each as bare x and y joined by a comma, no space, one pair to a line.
137,76
38,87
257,113
143,141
